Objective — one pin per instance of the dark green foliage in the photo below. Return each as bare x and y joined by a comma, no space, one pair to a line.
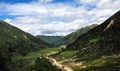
17,40
19,64
4,60
50,39
65,40
14,41
73,36
43,64
99,41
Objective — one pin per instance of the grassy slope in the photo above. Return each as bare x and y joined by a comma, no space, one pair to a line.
98,42
50,39
104,63
98,49
42,52
66,55
23,62
14,41
73,36
17,40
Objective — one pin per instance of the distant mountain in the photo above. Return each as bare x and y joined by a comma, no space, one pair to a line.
49,39
65,40
73,36
14,41
101,40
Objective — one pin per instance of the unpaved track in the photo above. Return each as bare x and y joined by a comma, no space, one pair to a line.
65,68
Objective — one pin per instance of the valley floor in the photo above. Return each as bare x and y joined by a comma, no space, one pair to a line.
66,60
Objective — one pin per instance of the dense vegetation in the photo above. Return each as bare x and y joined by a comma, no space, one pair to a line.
42,64
28,62
14,41
65,40
102,40
50,39
73,36
96,49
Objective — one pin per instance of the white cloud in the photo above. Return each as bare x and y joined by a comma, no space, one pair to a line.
45,1
25,9
58,18
108,4
86,1
8,20
36,26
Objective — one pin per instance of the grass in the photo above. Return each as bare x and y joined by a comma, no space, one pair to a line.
42,52
95,40
34,55
24,62
102,64
67,54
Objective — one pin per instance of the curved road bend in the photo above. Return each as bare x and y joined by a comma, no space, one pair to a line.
65,68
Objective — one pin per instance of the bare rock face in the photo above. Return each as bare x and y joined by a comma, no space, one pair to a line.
110,24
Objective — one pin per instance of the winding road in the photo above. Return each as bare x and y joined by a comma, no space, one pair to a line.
64,68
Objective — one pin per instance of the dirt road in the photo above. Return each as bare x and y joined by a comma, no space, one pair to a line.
64,68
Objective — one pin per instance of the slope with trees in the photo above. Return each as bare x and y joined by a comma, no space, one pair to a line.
74,35
100,44
14,41
49,39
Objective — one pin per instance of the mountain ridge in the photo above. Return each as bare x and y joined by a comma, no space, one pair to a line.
49,39
14,42
96,50
98,37
66,40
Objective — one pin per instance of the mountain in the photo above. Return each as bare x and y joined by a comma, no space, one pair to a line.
14,41
17,39
104,37
100,44
49,39
73,36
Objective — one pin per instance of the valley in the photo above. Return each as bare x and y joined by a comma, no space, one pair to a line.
91,48
67,60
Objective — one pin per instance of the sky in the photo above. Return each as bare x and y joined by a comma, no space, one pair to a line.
56,17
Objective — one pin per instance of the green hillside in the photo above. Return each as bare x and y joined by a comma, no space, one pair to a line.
14,41
49,39
99,48
73,36
92,48
35,61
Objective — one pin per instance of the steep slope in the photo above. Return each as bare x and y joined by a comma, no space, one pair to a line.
96,50
102,40
14,41
73,36
49,39
15,38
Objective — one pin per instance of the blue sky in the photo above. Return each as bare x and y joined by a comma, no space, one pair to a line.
56,17
16,1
